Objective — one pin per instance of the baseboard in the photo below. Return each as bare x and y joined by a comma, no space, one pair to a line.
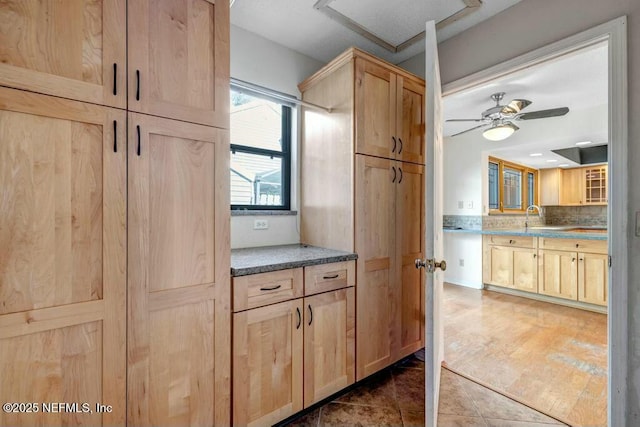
546,298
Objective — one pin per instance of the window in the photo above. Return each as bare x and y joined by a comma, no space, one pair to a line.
260,151
512,187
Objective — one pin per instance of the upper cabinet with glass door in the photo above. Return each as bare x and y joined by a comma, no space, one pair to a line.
86,61
178,60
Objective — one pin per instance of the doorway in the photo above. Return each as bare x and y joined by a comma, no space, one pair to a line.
613,34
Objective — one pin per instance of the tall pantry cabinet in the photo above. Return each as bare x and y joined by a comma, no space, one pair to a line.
362,190
114,228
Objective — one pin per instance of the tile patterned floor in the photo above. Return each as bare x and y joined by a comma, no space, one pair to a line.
395,397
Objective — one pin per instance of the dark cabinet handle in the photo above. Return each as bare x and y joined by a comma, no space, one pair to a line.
333,276
115,136
394,174
534,255
400,149
270,288
138,150
581,259
573,260
115,79
512,242
310,314
393,138
400,180
299,318
137,85
577,245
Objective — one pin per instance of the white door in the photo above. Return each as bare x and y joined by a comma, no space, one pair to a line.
434,345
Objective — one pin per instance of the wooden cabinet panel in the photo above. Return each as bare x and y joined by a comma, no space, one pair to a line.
595,185
267,363
558,274
329,344
574,245
328,277
550,184
572,189
178,308
178,60
63,258
409,287
375,100
501,266
71,49
593,278
375,237
410,120
257,290
517,241
525,269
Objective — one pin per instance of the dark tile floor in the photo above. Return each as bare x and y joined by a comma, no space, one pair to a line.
395,397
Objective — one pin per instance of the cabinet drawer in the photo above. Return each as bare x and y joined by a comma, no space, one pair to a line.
517,241
257,290
576,245
328,277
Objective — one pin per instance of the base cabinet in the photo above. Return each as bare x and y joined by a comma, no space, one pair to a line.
289,355
572,269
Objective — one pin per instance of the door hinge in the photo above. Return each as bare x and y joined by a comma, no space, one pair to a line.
609,260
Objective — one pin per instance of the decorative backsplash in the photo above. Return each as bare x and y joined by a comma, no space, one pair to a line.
511,221
576,215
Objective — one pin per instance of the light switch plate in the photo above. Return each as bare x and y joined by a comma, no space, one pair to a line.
460,204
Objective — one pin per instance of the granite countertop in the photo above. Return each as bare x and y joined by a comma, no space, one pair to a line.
272,258
561,232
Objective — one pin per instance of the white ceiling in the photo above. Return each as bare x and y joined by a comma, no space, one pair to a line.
578,81
297,25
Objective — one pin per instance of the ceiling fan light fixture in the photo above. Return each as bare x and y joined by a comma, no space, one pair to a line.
499,132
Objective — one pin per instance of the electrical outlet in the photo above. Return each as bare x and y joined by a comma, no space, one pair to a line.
260,224
460,204
461,262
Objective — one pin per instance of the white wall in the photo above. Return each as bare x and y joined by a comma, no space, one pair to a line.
531,24
468,248
257,60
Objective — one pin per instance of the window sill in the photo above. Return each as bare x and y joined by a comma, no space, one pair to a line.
250,212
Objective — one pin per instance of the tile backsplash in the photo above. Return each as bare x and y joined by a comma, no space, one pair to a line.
511,221
468,222
580,215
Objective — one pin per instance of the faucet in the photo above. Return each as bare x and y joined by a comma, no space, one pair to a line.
532,207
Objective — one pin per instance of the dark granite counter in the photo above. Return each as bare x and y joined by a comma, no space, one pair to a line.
560,232
272,258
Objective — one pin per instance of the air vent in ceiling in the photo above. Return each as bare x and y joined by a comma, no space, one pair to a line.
585,156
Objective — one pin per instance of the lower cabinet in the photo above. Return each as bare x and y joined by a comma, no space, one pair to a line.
289,355
573,269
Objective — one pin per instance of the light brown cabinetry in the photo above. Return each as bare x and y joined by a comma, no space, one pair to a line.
178,273
70,49
511,261
574,269
178,52
574,187
62,257
361,192
286,346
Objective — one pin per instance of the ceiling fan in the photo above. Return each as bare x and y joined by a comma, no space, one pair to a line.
500,118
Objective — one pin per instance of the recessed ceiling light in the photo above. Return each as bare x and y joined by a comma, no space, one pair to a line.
535,154
583,143
551,161
563,165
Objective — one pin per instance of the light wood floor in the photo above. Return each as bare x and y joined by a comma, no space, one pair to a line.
550,357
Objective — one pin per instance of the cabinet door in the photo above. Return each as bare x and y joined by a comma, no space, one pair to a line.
572,189
593,278
375,239
329,344
408,290
410,120
62,257
71,49
179,60
267,363
178,307
375,106
501,268
558,274
595,185
525,269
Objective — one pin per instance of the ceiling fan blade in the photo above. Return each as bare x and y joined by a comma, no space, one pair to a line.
543,114
469,130
515,106
464,120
